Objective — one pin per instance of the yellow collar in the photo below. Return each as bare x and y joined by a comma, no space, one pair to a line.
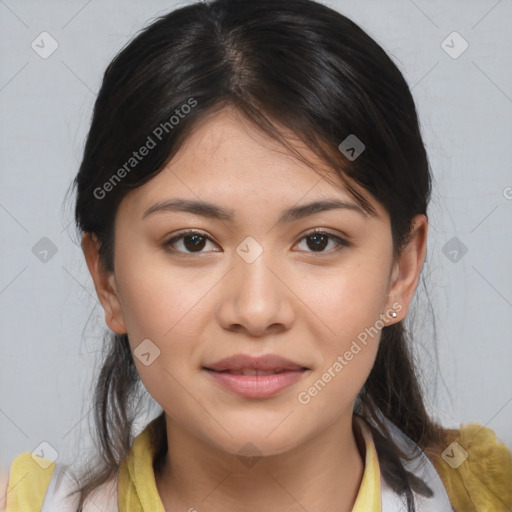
369,496
137,486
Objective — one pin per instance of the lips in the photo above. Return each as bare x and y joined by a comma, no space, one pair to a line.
252,371
244,364
256,377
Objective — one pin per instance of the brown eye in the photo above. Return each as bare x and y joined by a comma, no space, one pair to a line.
317,241
192,242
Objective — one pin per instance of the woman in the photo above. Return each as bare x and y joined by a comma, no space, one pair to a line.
253,208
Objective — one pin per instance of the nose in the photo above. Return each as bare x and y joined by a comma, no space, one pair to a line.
256,298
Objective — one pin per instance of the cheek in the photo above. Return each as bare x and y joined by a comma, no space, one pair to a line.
166,306
161,305
346,301
158,299
347,308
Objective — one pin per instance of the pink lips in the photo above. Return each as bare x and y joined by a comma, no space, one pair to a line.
255,377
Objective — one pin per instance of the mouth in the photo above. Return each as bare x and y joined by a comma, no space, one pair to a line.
252,376
255,383
254,371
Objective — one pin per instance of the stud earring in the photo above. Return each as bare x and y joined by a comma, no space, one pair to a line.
393,314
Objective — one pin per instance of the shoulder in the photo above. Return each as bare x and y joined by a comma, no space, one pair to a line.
25,485
476,469
37,484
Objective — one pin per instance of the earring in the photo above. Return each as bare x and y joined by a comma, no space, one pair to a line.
393,314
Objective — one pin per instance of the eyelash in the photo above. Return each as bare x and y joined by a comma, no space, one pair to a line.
340,241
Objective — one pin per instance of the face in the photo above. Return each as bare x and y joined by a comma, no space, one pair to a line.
252,281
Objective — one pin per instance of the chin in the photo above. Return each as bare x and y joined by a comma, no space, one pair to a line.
253,442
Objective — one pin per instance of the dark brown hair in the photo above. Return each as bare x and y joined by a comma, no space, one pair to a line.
294,63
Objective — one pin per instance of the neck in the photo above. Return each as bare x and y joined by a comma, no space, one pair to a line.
323,474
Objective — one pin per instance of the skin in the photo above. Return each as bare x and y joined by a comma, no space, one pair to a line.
306,305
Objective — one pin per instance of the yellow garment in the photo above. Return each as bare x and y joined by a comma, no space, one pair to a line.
28,482
139,492
482,483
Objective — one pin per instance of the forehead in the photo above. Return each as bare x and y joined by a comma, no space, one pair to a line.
227,145
226,158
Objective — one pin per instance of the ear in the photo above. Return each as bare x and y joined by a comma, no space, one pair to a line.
104,282
407,268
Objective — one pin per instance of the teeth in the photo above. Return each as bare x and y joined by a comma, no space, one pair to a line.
253,371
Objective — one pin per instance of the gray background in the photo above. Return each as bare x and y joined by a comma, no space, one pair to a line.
465,108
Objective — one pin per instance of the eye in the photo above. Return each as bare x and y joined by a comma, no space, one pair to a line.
320,239
192,241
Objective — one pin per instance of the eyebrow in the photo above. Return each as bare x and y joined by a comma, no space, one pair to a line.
213,211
